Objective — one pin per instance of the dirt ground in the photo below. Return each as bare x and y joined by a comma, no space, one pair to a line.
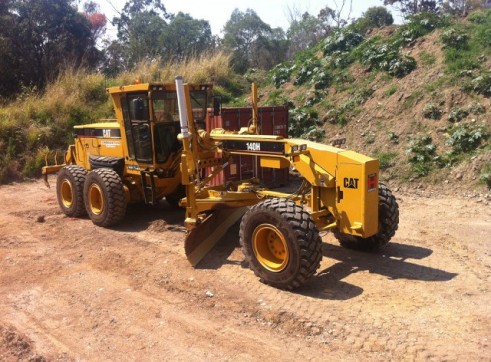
72,291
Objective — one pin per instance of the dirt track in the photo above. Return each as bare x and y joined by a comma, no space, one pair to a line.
73,291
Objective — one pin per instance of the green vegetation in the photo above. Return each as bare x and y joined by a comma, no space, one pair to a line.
485,175
457,114
360,80
432,111
465,138
36,123
391,90
422,155
386,159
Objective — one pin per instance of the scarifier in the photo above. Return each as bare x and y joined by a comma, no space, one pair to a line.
157,148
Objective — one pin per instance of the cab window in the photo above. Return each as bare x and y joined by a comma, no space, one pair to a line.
137,127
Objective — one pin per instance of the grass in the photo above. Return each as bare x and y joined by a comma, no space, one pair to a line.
39,122
427,59
391,90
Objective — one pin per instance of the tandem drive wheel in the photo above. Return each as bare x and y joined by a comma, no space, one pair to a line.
280,243
69,190
104,197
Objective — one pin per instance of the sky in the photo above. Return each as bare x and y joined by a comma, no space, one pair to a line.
217,12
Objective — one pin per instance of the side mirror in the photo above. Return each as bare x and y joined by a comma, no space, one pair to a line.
217,106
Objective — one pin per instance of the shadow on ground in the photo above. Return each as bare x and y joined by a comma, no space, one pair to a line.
391,262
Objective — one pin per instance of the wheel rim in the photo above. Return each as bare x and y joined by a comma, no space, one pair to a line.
270,248
66,193
96,199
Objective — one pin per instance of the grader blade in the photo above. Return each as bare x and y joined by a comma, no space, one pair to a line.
203,238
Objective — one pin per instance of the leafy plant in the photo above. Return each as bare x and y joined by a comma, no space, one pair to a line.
457,114
466,138
387,57
343,40
321,79
482,84
418,25
313,98
431,111
477,108
386,159
455,38
422,155
281,74
305,123
306,72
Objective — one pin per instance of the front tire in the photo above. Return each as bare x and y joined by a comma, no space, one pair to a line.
104,197
70,190
388,215
281,243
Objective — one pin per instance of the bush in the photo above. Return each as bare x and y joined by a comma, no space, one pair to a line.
314,98
343,40
307,71
281,74
466,138
321,79
419,25
422,155
387,57
455,38
431,111
480,17
482,85
457,114
304,123
477,108
402,66
386,159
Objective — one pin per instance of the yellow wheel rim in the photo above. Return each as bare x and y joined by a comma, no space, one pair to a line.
66,193
270,247
96,199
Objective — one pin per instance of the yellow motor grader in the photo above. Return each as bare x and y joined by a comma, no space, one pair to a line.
157,148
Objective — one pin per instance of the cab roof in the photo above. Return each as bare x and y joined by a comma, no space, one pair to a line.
145,87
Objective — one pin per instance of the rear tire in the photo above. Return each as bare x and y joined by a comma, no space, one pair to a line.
104,197
70,190
281,243
388,214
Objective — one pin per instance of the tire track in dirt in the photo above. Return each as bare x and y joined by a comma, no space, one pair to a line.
76,290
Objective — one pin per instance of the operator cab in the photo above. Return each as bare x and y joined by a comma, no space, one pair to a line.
151,120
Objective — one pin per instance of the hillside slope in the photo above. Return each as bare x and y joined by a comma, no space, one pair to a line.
416,96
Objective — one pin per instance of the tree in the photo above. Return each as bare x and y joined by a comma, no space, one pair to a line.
242,32
135,8
412,7
147,32
375,17
463,7
304,33
269,50
185,37
96,19
39,38
335,17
